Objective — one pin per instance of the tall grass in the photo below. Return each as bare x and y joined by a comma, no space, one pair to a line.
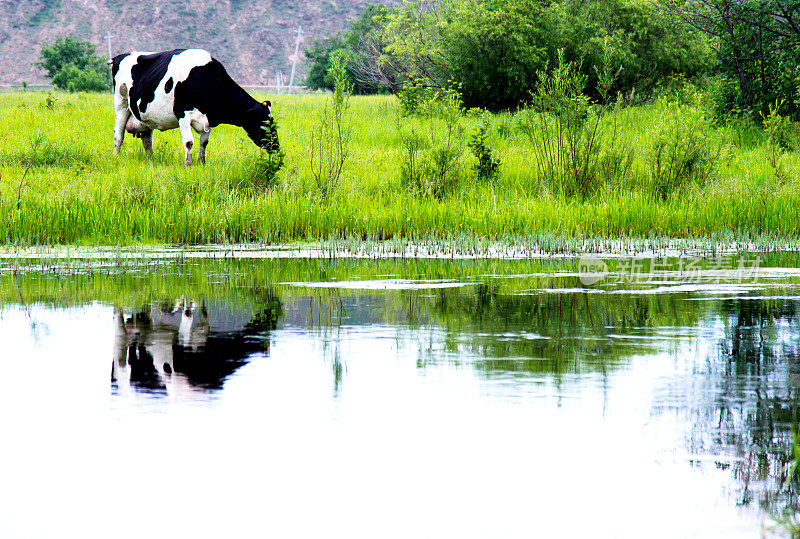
75,191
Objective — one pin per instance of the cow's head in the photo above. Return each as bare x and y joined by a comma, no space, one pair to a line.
261,127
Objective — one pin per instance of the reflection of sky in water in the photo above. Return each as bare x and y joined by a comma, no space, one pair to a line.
337,431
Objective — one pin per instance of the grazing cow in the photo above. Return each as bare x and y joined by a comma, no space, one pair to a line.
187,89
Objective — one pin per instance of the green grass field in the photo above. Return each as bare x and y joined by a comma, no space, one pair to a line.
61,183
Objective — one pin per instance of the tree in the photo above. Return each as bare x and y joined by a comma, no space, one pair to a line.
345,45
758,46
493,50
74,65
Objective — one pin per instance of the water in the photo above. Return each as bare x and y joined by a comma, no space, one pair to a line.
308,398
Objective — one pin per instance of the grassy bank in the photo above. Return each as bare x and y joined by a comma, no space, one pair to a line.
62,184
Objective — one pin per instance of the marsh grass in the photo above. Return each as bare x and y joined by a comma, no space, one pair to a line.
75,191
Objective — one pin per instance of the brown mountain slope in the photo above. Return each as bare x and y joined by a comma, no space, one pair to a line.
251,38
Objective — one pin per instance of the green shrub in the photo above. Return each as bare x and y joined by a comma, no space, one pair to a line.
782,133
414,96
486,165
74,65
265,168
432,164
495,48
563,129
681,151
330,136
73,79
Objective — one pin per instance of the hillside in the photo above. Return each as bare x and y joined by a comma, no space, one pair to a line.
253,38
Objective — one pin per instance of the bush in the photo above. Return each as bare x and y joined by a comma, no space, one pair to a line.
414,96
265,168
330,136
563,129
758,50
486,165
74,65
432,163
494,49
681,151
72,79
345,44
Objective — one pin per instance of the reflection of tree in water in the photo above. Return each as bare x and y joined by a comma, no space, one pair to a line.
505,332
185,346
556,332
743,399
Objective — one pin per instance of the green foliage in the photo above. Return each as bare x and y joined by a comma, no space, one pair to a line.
432,163
782,133
486,165
72,79
563,129
494,49
50,101
758,51
645,45
344,45
74,65
266,167
318,56
330,139
268,162
78,192
681,150
414,96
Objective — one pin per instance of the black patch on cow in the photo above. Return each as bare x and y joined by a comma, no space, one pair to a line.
168,86
147,74
115,65
210,89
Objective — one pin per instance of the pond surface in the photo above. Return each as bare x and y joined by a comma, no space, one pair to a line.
309,398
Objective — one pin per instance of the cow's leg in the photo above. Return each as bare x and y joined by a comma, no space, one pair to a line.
119,128
200,124
147,140
122,113
188,139
204,136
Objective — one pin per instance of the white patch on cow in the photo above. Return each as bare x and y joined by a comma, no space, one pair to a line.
159,113
124,80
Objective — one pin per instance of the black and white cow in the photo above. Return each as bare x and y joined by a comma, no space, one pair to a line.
187,89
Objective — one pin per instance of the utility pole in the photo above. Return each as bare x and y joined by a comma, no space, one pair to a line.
296,52
109,36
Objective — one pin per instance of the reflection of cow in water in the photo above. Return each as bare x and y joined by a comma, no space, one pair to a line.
180,349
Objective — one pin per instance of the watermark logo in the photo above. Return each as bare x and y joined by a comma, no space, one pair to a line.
653,270
592,270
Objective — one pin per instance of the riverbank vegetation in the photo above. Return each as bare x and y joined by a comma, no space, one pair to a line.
663,168
631,122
